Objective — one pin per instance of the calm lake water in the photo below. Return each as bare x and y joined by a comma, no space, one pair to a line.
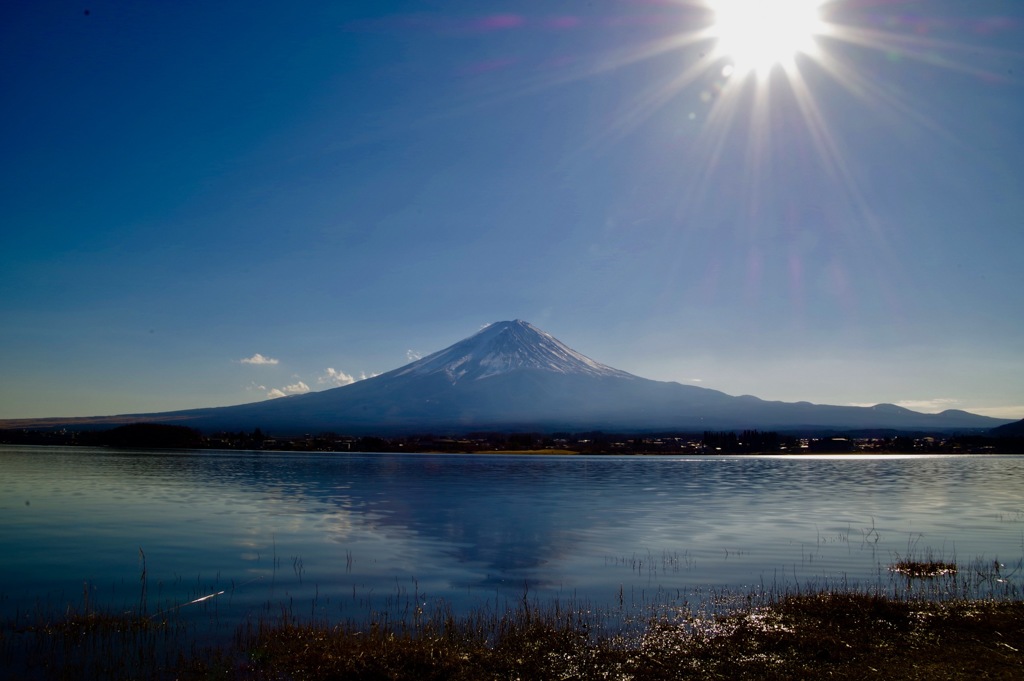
341,535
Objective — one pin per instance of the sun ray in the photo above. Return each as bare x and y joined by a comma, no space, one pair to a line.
751,53
922,49
804,34
654,97
873,95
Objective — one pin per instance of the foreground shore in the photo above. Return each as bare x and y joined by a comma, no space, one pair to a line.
809,636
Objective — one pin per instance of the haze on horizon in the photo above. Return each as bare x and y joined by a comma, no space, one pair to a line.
210,204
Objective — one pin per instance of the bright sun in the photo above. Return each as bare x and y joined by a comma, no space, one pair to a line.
758,35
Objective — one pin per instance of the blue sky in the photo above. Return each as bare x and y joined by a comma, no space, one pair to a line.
330,189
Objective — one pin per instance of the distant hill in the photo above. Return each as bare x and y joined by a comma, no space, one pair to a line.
513,376
1014,429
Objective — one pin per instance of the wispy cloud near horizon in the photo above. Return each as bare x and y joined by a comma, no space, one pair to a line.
296,388
258,359
1015,411
335,377
936,404
930,406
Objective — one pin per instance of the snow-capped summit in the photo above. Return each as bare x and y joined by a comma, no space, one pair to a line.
503,347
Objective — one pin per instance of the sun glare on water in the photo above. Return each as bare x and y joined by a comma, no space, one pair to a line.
756,36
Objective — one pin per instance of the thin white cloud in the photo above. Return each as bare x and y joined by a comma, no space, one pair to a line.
1015,412
696,380
942,403
332,377
297,388
258,359
931,406
335,377
934,405
412,355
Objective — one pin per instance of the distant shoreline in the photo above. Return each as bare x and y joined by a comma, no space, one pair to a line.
709,443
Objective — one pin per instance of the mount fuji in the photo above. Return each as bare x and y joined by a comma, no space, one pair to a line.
513,376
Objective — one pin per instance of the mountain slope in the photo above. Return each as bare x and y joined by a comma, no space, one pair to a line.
1014,429
513,376
504,347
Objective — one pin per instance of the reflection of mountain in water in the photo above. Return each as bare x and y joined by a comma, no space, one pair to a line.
501,522
492,524
497,516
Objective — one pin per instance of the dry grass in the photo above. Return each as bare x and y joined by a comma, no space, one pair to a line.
811,636
923,568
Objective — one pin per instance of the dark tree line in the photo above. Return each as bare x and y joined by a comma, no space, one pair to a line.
748,442
155,435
